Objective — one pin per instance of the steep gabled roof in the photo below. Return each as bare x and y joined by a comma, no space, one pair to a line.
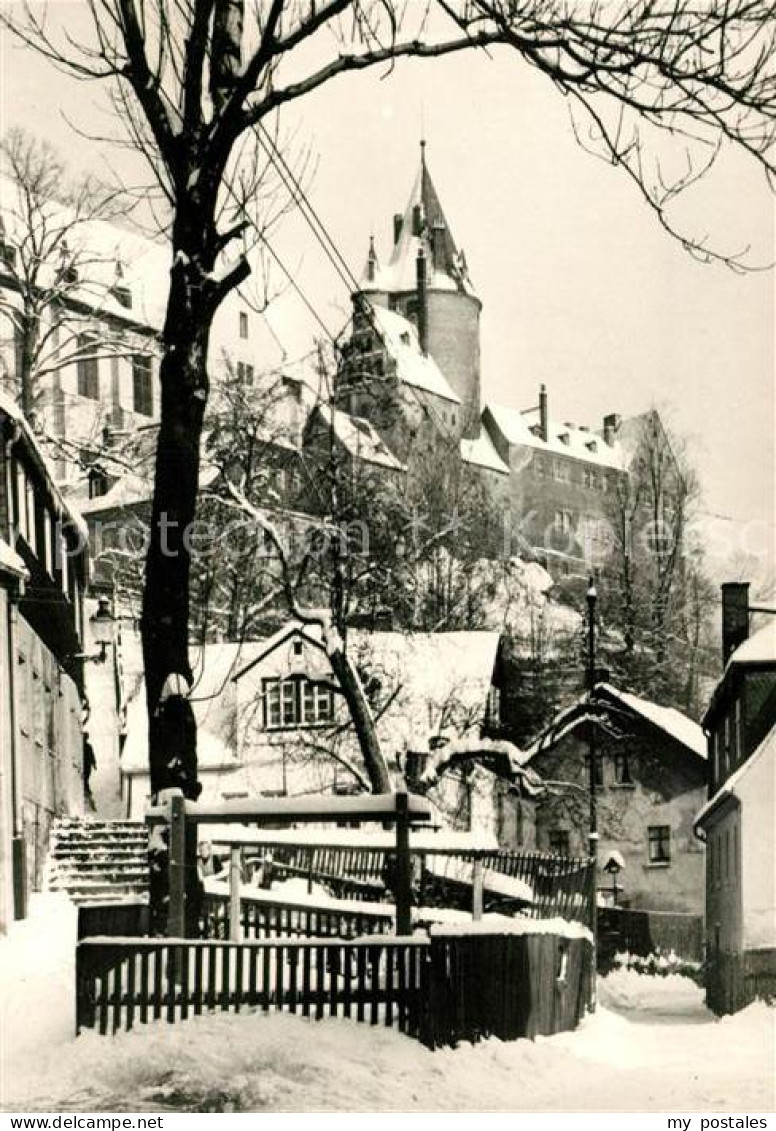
481,453
399,274
359,438
671,722
413,367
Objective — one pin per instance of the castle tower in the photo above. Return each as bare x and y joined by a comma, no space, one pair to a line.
426,280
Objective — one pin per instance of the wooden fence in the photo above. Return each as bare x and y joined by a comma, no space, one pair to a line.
263,917
555,886
440,990
648,932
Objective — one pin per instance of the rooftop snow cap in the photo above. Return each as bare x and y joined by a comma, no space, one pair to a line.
422,224
735,616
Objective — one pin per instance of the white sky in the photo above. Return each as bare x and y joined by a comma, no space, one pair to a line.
581,287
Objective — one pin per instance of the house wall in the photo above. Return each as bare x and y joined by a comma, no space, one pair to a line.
757,792
724,886
6,769
668,790
49,756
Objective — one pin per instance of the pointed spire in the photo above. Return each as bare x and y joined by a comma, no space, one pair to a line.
371,260
372,267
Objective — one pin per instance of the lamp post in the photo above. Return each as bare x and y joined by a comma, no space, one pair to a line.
592,597
103,626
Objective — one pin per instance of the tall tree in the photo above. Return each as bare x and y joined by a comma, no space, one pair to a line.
55,279
657,601
195,78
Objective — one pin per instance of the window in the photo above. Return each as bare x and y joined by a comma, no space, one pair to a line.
245,372
563,522
493,709
659,844
737,736
296,702
243,324
622,775
88,369
560,842
142,385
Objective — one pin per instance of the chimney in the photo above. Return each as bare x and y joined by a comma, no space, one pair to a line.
735,616
438,245
417,220
398,224
420,270
612,424
371,262
544,420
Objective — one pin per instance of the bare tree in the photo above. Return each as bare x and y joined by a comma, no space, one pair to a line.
55,278
656,606
194,78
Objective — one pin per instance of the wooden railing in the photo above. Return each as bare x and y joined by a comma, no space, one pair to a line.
555,886
440,990
262,917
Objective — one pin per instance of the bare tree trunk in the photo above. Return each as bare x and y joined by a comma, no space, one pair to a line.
165,616
363,721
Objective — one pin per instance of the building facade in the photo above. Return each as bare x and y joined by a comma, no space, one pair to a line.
650,773
43,567
737,821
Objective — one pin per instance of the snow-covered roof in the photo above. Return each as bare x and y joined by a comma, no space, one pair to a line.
413,367
481,453
132,489
766,749
667,719
450,273
10,562
110,254
12,410
759,648
563,439
360,438
213,698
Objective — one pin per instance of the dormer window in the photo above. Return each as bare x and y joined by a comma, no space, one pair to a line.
405,338
98,483
122,295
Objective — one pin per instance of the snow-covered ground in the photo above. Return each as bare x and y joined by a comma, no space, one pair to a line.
651,1046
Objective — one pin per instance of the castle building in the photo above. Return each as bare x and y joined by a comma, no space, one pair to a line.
411,366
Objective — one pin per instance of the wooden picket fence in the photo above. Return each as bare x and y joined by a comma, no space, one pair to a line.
125,982
262,917
440,990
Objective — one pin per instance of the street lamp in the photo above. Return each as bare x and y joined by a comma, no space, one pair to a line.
592,597
103,624
614,865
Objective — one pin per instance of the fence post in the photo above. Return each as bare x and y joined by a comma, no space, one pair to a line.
403,893
176,919
235,869
478,885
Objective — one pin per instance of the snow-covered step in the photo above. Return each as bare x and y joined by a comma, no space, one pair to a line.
97,861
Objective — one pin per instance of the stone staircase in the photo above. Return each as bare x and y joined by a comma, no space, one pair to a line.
98,861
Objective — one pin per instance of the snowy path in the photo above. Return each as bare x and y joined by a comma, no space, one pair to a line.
652,1046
